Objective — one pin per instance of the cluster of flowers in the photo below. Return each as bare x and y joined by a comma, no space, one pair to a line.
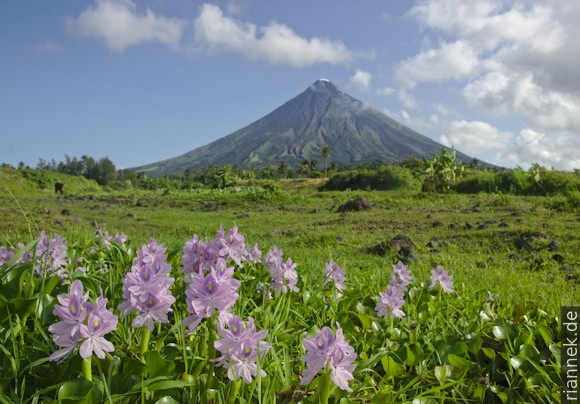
240,345
327,351
103,237
283,274
392,299
83,324
146,287
51,256
211,288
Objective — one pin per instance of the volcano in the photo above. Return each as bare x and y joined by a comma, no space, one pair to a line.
321,115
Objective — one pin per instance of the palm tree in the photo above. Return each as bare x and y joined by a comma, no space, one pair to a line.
325,154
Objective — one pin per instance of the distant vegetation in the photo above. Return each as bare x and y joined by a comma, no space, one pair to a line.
441,173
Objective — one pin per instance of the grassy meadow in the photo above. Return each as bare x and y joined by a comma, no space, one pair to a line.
514,261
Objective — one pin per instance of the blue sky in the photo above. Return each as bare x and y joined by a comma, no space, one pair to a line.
143,81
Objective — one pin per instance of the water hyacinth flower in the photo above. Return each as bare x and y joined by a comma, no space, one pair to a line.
208,293
390,302
401,277
6,254
230,245
239,346
82,324
283,274
333,272
439,275
146,287
328,350
51,256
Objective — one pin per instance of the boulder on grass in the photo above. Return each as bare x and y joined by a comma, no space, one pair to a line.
356,205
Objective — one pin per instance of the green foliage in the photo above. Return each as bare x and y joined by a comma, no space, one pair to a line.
449,348
441,172
383,178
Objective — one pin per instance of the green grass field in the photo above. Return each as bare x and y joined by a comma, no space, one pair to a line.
449,347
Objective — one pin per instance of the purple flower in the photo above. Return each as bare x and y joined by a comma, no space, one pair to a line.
231,244
146,287
6,254
439,275
104,237
273,257
283,275
120,238
254,254
390,301
82,324
198,256
336,273
401,277
206,294
326,349
239,346
100,322
51,256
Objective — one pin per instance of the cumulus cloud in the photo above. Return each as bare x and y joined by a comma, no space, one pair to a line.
474,137
361,79
558,151
515,60
451,61
119,25
276,43
519,93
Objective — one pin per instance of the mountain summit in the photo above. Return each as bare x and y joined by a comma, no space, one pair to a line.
321,115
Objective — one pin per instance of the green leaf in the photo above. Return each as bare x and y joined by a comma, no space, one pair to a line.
499,332
459,361
392,368
489,352
78,390
159,366
167,400
382,397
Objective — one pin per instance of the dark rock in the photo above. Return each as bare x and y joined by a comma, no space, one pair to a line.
554,245
503,224
243,216
483,226
437,224
558,258
65,212
400,244
468,225
99,208
209,206
355,205
531,241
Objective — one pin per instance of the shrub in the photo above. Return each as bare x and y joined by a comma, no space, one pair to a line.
383,178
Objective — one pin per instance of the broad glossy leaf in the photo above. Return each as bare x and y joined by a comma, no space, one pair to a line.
391,367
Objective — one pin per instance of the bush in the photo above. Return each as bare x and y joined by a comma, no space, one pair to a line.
477,181
383,178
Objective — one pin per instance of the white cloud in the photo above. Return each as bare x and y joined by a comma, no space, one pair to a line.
474,137
524,53
519,93
276,43
491,23
407,99
361,79
451,61
559,151
117,23
386,91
